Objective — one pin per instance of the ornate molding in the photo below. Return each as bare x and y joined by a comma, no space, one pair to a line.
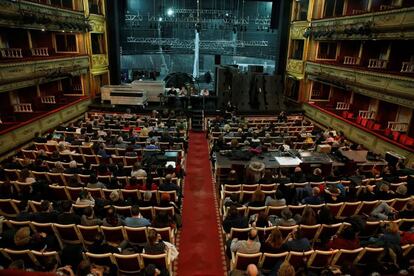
388,87
22,74
26,14
97,24
294,66
99,60
297,29
369,140
19,136
391,24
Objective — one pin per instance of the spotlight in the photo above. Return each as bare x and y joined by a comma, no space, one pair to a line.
43,29
170,12
227,14
160,19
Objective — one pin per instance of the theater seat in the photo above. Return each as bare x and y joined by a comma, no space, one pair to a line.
409,142
128,263
241,261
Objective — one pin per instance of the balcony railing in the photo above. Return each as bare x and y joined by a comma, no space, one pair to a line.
387,7
26,107
342,106
48,99
354,12
377,63
397,126
77,87
11,52
407,67
351,60
366,114
40,52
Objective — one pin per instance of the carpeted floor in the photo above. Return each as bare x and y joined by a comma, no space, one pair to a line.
200,244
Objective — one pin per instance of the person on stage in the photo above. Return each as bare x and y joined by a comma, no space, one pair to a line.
205,92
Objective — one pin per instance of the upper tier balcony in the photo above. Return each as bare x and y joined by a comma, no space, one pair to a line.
393,88
385,24
23,72
26,14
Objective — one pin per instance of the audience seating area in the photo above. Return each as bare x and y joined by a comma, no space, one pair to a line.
104,157
349,197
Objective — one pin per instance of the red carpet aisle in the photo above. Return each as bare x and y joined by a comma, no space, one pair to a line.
200,244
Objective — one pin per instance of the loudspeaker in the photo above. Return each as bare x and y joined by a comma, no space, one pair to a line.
274,19
217,59
393,158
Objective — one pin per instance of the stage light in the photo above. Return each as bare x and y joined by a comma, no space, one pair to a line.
170,12
160,19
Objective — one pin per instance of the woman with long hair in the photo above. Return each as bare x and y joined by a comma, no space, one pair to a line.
308,217
273,243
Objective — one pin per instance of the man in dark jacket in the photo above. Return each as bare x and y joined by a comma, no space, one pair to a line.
234,220
46,213
68,217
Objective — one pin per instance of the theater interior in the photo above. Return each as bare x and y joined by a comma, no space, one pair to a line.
206,137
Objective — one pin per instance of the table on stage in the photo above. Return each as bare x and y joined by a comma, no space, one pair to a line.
272,160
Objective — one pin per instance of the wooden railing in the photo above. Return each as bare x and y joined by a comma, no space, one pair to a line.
342,106
377,63
48,99
40,52
407,67
26,107
397,126
11,52
365,114
351,60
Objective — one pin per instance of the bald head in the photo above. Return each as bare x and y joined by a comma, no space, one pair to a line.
253,234
252,270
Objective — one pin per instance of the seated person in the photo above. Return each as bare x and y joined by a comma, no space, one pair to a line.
136,220
152,145
346,240
298,242
234,219
249,246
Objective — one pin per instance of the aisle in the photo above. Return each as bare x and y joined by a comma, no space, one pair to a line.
200,247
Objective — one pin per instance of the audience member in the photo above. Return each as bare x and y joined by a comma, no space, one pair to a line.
136,220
